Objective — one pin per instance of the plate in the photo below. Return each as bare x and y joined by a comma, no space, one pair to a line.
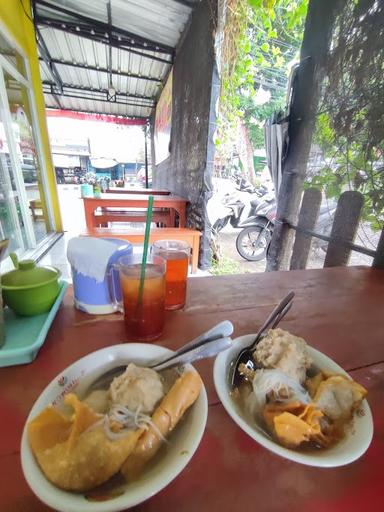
350,448
76,378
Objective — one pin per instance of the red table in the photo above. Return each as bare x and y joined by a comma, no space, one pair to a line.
337,310
130,201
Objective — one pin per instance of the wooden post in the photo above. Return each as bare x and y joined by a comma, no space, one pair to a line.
309,213
345,224
306,93
378,261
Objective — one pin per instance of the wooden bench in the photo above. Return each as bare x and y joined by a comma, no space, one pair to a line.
159,216
191,236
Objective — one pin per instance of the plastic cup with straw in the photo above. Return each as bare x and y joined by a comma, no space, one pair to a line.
143,290
145,249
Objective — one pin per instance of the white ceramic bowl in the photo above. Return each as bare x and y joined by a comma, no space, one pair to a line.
351,447
183,442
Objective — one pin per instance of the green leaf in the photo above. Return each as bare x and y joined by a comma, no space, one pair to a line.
255,4
332,190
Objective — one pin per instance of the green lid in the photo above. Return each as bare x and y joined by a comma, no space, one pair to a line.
28,274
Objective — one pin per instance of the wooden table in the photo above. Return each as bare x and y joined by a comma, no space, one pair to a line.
128,201
337,310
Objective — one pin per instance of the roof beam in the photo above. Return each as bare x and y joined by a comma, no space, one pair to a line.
101,113
101,91
46,56
78,30
103,100
136,40
104,70
109,63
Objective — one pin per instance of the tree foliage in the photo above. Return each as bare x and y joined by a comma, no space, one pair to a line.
349,135
262,38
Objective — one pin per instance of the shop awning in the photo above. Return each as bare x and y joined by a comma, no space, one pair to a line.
108,56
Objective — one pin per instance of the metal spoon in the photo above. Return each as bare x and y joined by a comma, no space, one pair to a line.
246,354
206,345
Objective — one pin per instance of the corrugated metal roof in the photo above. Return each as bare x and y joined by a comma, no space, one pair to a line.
84,49
158,20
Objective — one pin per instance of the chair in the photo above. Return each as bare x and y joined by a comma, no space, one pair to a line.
340,241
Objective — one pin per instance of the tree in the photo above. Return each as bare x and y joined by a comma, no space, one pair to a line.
261,40
275,34
349,135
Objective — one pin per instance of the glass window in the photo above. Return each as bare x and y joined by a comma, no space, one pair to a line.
11,222
12,56
27,155
24,212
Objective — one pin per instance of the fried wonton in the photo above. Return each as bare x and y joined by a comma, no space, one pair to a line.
72,455
179,398
295,423
338,397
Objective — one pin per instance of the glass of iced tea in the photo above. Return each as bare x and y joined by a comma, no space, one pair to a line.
144,305
177,254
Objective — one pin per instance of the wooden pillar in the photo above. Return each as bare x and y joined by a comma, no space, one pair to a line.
306,93
378,261
345,224
309,213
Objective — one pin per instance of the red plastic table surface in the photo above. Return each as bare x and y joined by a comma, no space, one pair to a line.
127,201
338,311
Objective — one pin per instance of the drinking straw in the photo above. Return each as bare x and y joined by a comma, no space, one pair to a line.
145,248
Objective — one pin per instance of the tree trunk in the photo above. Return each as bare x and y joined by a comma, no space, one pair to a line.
306,93
246,152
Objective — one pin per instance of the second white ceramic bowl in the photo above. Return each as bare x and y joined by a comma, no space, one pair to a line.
351,447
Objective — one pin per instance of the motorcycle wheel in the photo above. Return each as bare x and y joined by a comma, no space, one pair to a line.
252,243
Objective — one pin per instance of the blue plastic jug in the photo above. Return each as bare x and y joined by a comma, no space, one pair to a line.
94,295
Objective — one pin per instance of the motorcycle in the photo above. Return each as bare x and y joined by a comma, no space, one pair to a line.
254,211
253,241
236,208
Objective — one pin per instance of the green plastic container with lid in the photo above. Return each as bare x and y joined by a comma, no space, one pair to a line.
30,290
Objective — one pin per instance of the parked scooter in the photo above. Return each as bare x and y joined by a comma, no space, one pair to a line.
254,211
236,207
253,241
